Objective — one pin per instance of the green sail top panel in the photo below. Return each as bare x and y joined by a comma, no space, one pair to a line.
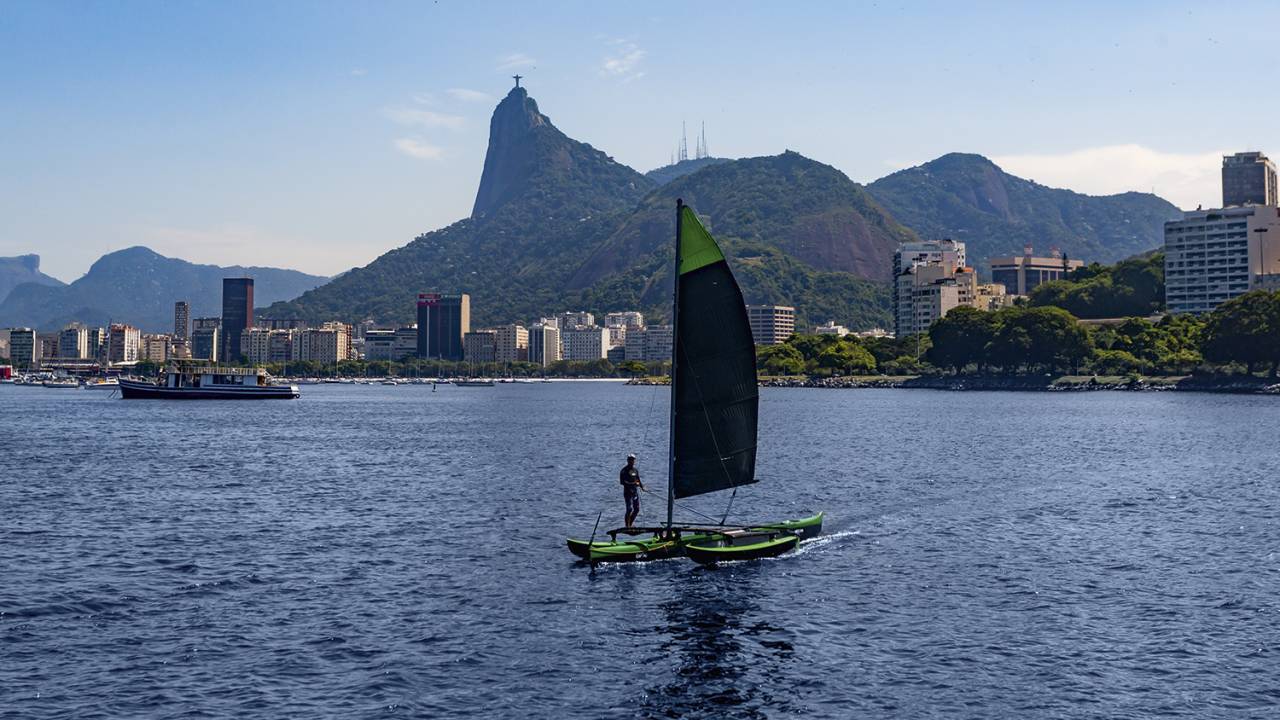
697,247
716,397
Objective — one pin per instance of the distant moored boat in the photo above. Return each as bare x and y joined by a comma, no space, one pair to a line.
208,382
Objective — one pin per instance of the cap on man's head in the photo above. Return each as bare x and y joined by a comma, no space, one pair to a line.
631,456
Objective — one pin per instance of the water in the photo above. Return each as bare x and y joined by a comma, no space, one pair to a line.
393,552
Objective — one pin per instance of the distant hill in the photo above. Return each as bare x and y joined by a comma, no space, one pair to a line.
969,198
139,286
15,271
796,231
667,173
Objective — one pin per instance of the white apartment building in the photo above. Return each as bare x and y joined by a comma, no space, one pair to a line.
390,344
1212,256
122,343
329,343
480,346
831,328
771,324
585,343
566,320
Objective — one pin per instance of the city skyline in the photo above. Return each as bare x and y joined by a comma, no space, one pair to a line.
359,130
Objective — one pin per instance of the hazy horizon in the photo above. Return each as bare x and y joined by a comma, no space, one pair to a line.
318,137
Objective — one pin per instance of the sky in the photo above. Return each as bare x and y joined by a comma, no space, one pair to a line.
318,135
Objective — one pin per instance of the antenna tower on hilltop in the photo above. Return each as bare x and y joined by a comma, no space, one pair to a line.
701,151
684,143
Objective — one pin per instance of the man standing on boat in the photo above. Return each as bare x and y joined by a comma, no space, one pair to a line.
631,487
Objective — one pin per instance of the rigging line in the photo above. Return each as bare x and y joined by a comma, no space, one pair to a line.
682,506
725,519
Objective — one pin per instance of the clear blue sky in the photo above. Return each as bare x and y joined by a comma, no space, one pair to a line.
318,135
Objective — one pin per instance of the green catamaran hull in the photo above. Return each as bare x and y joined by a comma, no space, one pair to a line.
748,546
661,545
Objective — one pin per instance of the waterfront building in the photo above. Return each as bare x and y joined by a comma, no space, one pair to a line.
512,344
97,343
255,345
4,342
923,252
1248,178
46,346
629,319
443,321
181,321
73,342
206,341
237,314
123,342
154,348
1211,256
616,354
480,346
22,348
328,344
1021,274
207,323
388,344
652,344
585,342
618,335
544,343
831,328
771,324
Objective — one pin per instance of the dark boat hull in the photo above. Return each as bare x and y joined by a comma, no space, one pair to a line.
133,390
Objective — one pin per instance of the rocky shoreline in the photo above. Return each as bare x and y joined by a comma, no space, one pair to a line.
1078,383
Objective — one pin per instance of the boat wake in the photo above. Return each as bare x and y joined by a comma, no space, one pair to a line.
823,541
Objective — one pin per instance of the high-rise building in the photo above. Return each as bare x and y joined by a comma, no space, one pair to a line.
652,344
1211,256
181,321
443,320
22,348
206,342
947,251
1248,178
585,342
1021,274
46,346
480,346
73,342
925,293
122,343
544,344
4,343
512,344
771,324
567,320
237,314
97,344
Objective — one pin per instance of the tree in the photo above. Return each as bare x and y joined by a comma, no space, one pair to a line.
961,338
1245,329
633,368
782,359
845,357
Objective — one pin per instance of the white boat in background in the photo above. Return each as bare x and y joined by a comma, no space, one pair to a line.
208,382
102,384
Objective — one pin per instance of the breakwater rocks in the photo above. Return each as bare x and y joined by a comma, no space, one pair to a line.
1025,383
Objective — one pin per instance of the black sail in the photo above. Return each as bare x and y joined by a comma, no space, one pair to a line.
715,397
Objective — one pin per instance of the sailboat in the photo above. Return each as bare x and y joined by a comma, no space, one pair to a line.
715,399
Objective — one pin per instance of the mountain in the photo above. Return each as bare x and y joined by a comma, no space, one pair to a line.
15,271
796,232
969,198
139,286
667,173
543,198
558,224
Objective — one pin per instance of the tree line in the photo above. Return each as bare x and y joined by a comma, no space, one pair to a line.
1242,335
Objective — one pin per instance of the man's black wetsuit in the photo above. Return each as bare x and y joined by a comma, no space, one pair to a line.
630,479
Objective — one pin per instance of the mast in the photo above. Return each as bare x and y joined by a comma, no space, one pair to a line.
675,349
